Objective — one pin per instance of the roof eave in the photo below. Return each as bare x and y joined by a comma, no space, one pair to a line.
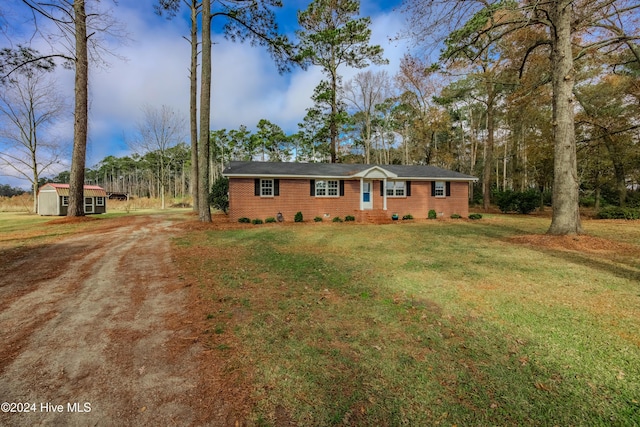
356,176
372,170
276,175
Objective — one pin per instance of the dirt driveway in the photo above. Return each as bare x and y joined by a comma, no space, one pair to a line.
98,329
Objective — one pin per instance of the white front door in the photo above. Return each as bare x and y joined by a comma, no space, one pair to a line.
367,194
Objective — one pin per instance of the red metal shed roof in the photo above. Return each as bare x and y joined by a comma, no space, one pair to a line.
89,190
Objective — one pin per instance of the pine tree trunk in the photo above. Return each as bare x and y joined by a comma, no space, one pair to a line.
193,105
566,214
204,213
488,157
78,158
333,125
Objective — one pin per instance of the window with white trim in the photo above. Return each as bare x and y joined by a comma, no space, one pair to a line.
99,201
396,189
88,204
440,189
266,187
327,188
65,200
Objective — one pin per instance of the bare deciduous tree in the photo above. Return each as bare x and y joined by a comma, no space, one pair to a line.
29,107
366,90
158,131
79,36
171,8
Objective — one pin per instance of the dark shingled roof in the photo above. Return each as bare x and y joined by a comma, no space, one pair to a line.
337,170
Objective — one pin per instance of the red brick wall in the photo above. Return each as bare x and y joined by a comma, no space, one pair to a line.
294,196
421,201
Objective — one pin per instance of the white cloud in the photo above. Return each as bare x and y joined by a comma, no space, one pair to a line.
384,29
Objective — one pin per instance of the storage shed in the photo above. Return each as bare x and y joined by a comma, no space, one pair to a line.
53,199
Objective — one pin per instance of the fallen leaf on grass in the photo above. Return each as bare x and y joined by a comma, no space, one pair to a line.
541,386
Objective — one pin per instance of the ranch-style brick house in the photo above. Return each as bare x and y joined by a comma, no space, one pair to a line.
53,199
328,190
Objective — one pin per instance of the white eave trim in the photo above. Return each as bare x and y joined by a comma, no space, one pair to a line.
279,176
363,174
372,171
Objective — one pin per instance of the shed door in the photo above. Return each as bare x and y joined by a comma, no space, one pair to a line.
88,204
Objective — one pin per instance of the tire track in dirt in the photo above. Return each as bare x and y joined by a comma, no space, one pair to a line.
97,332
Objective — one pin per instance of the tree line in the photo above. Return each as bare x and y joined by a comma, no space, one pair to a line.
523,94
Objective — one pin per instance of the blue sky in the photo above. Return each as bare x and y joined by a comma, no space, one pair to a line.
154,70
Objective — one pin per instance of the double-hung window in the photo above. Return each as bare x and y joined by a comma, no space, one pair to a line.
65,200
396,189
439,189
88,204
266,187
328,188
99,201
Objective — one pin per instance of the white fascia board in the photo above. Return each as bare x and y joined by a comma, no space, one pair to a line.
438,178
358,175
372,171
274,176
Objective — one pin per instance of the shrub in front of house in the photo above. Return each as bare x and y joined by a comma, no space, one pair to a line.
219,195
475,216
298,217
318,219
407,216
256,221
432,214
244,220
349,218
270,220
336,219
455,216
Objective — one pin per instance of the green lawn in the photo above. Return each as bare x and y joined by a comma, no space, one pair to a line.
442,322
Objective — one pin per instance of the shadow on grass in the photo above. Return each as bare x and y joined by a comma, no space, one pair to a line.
615,268
330,343
620,266
374,361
